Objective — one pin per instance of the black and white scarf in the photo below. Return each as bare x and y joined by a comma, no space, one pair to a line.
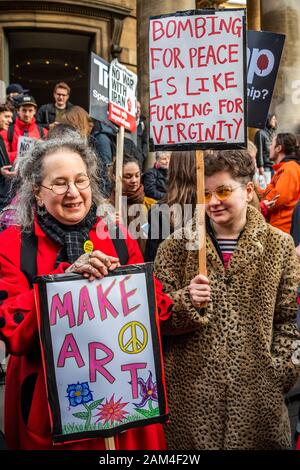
70,237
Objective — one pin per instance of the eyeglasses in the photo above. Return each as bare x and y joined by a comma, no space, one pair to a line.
63,187
222,193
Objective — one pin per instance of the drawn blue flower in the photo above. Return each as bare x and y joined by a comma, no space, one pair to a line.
79,394
148,391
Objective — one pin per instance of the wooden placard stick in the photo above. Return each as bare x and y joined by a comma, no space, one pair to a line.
110,441
200,213
119,171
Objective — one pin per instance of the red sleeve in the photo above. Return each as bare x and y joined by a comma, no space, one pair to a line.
264,209
164,303
11,155
18,320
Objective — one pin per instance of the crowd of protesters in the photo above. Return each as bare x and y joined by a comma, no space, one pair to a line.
229,336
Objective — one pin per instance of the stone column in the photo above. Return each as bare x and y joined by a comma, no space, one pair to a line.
146,8
253,14
253,22
283,16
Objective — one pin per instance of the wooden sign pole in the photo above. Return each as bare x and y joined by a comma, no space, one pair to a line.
110,441
119,171
200,213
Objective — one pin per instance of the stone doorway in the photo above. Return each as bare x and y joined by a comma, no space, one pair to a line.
38,59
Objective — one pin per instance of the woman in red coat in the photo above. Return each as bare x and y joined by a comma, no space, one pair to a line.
57,212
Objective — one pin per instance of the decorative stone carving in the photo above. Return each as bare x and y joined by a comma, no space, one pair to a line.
208,3
117,27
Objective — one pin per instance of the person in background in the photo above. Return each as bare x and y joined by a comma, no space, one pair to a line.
259,183
25,125
177,207
155,179
57,207
6,171
263,139
51,113
285,184
14,93
135,203
232,336
79,119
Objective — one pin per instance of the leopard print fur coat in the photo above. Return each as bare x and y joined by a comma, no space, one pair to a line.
228,366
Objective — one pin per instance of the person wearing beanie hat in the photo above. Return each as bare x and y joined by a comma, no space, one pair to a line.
15,89
14,92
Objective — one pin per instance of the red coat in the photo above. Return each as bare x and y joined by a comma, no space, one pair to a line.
25,398
19,129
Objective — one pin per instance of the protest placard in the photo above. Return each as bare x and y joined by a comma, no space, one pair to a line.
101,352
263,57
99,70
198,96
122,96
25,145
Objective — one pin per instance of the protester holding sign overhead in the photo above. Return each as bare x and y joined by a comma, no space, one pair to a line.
58,232
229,364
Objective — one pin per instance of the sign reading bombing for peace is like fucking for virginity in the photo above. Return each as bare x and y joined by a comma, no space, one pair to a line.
198,95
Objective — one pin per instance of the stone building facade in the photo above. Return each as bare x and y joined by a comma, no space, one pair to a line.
44,41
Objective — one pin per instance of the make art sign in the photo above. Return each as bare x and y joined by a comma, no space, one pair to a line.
99,70
263,58
122,96
101,352
197,62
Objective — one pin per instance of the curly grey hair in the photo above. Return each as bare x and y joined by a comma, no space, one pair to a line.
31,173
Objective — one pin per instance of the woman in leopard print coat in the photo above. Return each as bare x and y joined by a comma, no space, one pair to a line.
229,365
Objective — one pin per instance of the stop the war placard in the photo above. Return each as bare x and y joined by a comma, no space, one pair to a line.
198,92
122,96
101,352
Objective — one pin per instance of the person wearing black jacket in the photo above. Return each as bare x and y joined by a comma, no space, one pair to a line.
155,179
6,173
52,112
263,140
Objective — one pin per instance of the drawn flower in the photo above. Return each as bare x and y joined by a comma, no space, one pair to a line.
112,411
79,394
148,391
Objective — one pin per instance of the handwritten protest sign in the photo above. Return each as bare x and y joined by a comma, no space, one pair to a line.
101,352
25,145
99,70
263,56
122,96
197,80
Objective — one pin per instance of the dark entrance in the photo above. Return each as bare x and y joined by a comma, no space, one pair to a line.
38,59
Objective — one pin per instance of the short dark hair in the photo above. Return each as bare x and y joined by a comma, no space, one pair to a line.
238,163
288,142
4,108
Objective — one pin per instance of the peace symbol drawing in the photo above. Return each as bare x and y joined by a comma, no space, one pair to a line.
133,338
